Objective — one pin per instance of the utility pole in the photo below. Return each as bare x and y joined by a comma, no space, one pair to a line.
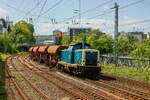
79,13
116,34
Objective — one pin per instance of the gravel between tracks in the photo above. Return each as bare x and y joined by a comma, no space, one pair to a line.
52,91
86,86
129,87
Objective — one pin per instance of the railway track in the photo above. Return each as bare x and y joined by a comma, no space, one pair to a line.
121,90
105,90
127,89
99,94
136,85
19,88
75,95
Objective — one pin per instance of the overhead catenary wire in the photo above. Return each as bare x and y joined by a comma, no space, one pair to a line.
137,22
33,8
131,4
52,7
98,6
21,11
111,11
44,4
18,10
89,10
108,11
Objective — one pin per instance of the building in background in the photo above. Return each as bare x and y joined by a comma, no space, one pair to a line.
139,35
1,26
75,31
44,39
58,35
5,25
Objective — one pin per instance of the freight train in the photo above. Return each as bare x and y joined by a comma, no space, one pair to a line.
78,59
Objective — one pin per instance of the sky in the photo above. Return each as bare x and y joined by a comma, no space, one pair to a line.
60,10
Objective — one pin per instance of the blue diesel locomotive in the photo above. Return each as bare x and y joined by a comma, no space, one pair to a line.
80,59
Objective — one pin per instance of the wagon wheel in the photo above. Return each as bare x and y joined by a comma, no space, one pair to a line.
49,62
47,59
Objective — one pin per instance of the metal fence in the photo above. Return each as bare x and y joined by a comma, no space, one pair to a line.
125,61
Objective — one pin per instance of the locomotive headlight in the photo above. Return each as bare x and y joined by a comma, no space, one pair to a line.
84,62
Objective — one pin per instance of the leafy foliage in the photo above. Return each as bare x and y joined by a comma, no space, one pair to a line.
142,50
23,32
96,38
140,73
79,38
6,41
20,33
65,41
104,44
126,44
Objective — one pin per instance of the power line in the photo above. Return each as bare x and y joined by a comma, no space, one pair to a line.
137,22
53,6
36,5
12,7
41,9
89,10
100,5
19,10
131,4
128,5
104,13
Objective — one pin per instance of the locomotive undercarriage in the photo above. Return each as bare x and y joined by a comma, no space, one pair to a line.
85,71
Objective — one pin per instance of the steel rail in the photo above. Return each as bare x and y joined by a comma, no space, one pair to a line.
32,85
76,95
96,95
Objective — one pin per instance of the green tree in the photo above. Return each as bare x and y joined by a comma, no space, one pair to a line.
104,44
97,33
23,32
79,38
93,36
66,41
126,44
6,41
142,50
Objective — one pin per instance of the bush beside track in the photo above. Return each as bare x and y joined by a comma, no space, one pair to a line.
3,94
138,73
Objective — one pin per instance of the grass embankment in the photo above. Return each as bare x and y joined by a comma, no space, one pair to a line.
3,95
140,73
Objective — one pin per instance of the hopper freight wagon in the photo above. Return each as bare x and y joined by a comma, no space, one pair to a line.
42,51
35,53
